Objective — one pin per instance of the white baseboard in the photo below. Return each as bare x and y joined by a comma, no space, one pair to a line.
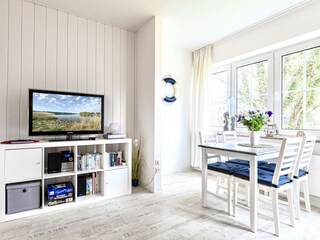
315,201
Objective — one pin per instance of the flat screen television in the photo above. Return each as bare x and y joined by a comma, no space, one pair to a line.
65,113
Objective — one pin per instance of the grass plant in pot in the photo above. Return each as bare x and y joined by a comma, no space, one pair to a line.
136,162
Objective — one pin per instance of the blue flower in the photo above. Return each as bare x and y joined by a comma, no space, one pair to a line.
269,113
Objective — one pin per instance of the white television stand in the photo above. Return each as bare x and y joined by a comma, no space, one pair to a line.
28,162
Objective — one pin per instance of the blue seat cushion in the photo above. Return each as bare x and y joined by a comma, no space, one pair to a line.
226,167
245,162
264,177
269,167
301,173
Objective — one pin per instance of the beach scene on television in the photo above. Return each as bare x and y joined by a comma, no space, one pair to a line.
62,112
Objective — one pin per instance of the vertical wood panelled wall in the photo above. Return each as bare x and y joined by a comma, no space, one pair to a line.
44,48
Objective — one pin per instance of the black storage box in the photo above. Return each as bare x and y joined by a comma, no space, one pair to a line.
23,196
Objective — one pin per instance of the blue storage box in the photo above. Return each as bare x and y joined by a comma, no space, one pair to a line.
60,193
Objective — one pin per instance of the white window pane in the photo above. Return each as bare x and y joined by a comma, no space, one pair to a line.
312,120
301,90
244,104
260,78
292,110
218,98
313,67
252,87
293,72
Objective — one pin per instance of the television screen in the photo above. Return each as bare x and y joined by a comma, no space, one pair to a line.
63,113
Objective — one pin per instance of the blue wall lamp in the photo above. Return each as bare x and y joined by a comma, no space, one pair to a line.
171,90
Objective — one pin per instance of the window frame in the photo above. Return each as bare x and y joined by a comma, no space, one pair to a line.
278,83
234,79
274,58
226,68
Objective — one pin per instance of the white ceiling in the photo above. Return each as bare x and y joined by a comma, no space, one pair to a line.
191,23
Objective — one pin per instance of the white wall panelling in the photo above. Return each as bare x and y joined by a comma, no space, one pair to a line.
82,54
14,68
100,59
4,12
108,74
72,53
123,79
116,51
62,52
92,33
51,49
26,63
45,48
130,87
39,47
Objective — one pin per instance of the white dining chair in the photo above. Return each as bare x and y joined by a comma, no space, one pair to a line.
212,137
274,182
209,137
229,136
301,174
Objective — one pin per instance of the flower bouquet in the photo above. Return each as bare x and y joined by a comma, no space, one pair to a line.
255,121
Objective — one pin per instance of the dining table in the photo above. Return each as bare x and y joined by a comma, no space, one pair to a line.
245,152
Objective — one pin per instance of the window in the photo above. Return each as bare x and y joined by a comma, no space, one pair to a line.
252,87
218,97
301,89
285,81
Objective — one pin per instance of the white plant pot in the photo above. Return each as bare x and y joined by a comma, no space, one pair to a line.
254,138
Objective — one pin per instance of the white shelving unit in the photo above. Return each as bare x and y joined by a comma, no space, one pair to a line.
28,162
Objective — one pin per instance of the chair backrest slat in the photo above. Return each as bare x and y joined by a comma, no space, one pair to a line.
288,157
229,136
208,137
305,154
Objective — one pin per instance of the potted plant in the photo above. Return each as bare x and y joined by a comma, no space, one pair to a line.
136,161
254,121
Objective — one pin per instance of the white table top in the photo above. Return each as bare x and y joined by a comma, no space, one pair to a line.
234,147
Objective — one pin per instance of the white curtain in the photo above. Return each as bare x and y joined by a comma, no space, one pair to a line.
202,60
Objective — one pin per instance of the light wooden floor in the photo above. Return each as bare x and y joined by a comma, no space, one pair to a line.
176,213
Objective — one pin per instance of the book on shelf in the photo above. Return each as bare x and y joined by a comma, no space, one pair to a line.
89,186
89,161
92,183
113,159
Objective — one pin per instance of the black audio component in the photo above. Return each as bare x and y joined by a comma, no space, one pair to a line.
82,185
54,162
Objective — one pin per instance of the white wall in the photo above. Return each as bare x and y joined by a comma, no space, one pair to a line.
175,146
44,48
295,23
148,73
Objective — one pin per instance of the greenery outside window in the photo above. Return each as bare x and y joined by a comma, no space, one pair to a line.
252,87
301,90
